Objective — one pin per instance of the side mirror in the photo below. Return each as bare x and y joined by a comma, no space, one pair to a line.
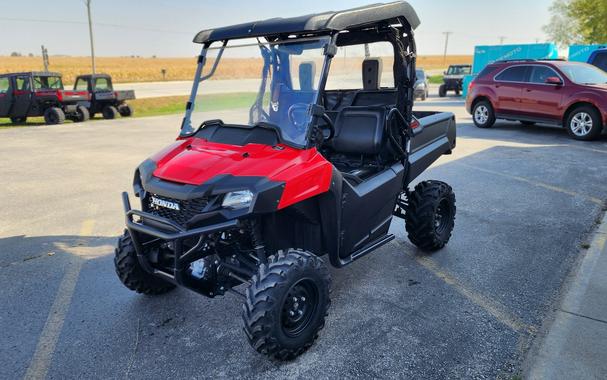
556,81
444,73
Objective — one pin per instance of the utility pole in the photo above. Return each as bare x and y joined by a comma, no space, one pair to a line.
502,39
45,58
88,10
447,34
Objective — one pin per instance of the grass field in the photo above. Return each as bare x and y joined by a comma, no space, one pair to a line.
168,105
126,69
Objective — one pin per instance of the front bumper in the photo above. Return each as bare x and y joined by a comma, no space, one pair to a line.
161,228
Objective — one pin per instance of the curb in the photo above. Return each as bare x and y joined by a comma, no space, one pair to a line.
548,358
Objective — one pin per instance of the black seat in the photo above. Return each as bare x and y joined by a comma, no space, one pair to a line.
360,131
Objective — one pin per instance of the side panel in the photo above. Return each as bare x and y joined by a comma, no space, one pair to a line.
6,96
437,137
367,209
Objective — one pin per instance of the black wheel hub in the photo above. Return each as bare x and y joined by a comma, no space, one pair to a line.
299,307
442,216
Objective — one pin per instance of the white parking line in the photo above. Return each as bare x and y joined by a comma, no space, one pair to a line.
45,348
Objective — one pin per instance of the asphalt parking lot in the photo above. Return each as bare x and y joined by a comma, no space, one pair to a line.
527,199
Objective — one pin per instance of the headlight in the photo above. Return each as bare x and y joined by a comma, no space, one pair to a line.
238,199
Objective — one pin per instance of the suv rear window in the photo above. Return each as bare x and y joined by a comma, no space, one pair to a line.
513,74
600,61
486,71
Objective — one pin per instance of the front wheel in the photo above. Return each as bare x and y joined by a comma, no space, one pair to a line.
430,217
584,123
483,114
286,304
442,91
130,272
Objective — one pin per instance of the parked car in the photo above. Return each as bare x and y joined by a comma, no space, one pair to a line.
598,58
249,205
570,94
421,84
102,96
454,79
31,94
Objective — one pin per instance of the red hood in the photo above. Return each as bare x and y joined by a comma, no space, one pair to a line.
195,161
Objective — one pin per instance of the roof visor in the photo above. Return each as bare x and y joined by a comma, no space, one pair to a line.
314,23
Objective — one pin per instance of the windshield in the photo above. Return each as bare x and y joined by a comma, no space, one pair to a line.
584,74
459,70
47,83
272,85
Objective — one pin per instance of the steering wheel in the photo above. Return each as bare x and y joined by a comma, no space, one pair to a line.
298,116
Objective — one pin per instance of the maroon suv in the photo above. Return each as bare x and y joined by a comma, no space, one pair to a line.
554,92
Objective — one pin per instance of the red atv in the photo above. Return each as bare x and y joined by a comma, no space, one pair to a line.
249,203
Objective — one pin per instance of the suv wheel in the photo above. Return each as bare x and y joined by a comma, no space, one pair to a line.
109,112
130,272
442,91
483,114
54,115
584,123
286,304
430,217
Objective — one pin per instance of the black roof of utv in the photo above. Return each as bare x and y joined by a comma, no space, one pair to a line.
33,73
315,23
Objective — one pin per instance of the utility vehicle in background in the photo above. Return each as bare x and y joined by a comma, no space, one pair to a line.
454,79
32,94
255,201
102,96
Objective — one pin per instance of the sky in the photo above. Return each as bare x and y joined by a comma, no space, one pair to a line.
165,28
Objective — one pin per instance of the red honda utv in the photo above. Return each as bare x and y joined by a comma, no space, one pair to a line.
254,201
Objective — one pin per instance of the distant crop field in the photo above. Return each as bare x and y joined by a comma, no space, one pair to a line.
127,69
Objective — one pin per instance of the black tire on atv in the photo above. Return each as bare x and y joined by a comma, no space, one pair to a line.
430,217
125,110
82,114
109,112
442,91
130,272
286,304
54,115
18,120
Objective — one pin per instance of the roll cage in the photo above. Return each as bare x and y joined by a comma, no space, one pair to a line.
393,22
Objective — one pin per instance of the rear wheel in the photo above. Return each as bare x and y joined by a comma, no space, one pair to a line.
18,120
430,217
483,114
82,114
442,91
54,115
286,304
125,110
109,112
130,272
584,123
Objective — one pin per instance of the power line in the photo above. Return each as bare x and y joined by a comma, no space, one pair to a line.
144,29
